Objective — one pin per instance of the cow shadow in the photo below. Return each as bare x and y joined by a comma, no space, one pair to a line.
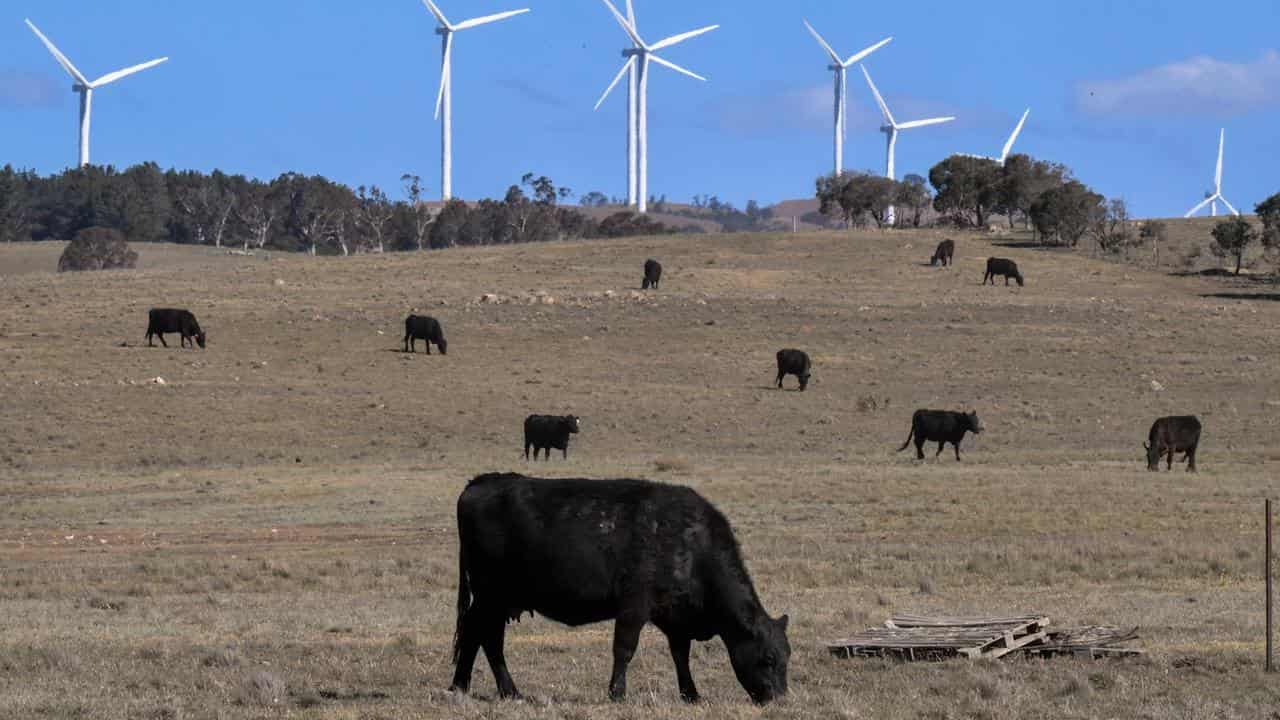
1263,296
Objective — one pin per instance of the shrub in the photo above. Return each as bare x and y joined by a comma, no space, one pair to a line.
97,248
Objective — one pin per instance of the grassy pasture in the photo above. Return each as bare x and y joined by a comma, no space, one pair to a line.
269,533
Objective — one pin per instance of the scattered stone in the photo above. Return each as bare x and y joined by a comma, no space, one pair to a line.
157,380
488,298
1156,386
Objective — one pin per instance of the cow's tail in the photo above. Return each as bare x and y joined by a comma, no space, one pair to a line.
909,434
464,599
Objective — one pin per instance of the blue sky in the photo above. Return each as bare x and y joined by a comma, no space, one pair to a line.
1128,94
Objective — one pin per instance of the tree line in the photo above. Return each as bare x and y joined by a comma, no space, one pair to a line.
293,212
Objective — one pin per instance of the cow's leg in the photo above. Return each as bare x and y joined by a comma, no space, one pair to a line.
680,654
626,636
468,646
492,638
1169,466
942,445
564,451
780,374
406,343
526,450
1191,459
162,342
149,343
919,448
956,444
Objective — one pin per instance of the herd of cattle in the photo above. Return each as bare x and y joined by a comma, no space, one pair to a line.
581,551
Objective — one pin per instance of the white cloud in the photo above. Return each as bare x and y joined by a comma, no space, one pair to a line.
1200,85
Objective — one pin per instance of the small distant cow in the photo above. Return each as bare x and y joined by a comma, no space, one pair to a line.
652,274
172,320
794,362
943,426
543,432
418,327
1180,433
946,249
1002,266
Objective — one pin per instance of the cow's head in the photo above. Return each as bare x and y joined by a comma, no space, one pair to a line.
572,423
1153,456
444,346
200,337
974,423
804,379
1017,275
760,660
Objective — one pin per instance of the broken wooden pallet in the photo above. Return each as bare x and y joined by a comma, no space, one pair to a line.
1087,642
915,637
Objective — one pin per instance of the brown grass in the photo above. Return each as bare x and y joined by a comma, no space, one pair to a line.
283,505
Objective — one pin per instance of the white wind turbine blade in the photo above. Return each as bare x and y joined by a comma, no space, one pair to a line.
888,116
57,55
1200,207
1228,204
439,15
489,19
825,45
1008,146
112,77
858,56
631,15
1217,177
677,68
677,39
444,71
618,78
626,26
924,123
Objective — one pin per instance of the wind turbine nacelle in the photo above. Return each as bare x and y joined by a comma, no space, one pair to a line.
629,52
442,31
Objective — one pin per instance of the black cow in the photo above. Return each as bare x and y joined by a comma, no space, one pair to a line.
1179,433
1001,266
944,426
543,432
172,320
585,551
652,274
794,362
418,327
946,250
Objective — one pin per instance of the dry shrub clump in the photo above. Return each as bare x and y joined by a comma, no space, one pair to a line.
97,248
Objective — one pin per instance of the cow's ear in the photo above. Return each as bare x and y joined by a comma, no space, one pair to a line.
1146,446
783,622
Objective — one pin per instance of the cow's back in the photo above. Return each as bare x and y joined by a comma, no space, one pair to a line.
573,549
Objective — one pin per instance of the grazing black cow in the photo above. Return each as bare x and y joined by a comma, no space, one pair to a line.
172,320
1178,433
946,250
794,362
543,432
1001,266
944,426
585,551
652,274
418,327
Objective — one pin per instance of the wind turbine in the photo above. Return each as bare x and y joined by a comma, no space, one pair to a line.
1211,199
630,70
1008,146
86,87
444,100
891,131
639,55
839,67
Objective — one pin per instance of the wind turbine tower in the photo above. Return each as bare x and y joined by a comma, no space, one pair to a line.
1211,198
638,56
891,128
839,67
444,100
85,87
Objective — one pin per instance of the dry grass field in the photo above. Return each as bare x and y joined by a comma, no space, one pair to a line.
269,533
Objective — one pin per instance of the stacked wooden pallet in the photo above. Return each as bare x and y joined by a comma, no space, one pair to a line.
918,637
